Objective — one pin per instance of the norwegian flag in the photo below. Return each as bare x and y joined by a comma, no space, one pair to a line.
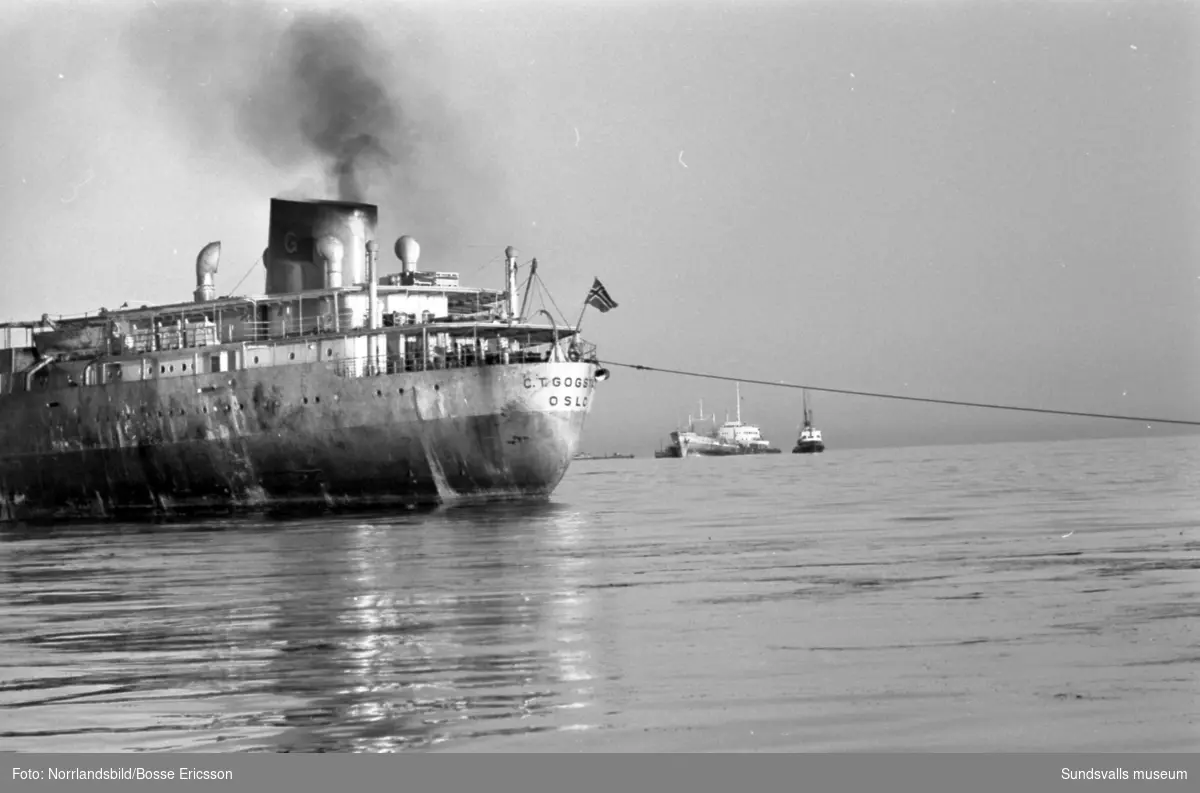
598,296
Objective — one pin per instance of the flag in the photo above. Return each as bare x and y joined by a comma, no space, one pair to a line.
598,296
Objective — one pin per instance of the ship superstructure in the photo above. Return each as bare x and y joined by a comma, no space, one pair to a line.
747,437
336,387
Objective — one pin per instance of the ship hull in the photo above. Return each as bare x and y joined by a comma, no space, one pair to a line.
690,450
287,438
808,447
691,444
693,449
726,451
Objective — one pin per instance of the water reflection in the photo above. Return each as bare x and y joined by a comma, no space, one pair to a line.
348,635
571,615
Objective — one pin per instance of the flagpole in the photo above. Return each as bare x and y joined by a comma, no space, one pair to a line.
579,322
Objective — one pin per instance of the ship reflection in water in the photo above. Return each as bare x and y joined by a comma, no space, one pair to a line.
442,635
360,635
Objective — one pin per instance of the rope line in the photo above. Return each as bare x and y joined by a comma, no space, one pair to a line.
547,291
247,275
880,395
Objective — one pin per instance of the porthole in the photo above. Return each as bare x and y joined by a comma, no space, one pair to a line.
378,393
399,390
292,356
306,400
162,370
317,400
329,352
256,359
437,387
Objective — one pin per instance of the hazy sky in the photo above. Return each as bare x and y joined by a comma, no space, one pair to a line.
979,201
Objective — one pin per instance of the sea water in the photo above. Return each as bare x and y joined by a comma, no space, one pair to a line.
1000,597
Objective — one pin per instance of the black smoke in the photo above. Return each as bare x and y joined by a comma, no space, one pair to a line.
372,106
293,85
327,68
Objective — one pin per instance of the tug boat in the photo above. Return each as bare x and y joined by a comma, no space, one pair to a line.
809,441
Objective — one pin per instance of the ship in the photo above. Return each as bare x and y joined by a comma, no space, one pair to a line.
809,441
729,439
586,456
335,388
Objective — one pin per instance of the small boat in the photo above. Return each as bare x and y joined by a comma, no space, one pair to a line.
809,441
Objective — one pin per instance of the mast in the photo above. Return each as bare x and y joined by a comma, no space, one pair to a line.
739,403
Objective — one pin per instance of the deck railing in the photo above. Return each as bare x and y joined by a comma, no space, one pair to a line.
461,358
437,348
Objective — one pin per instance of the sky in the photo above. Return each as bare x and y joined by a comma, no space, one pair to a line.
986,201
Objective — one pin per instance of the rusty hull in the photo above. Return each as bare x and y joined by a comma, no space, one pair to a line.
300,436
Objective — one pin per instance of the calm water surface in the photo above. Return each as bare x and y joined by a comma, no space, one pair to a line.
898,599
